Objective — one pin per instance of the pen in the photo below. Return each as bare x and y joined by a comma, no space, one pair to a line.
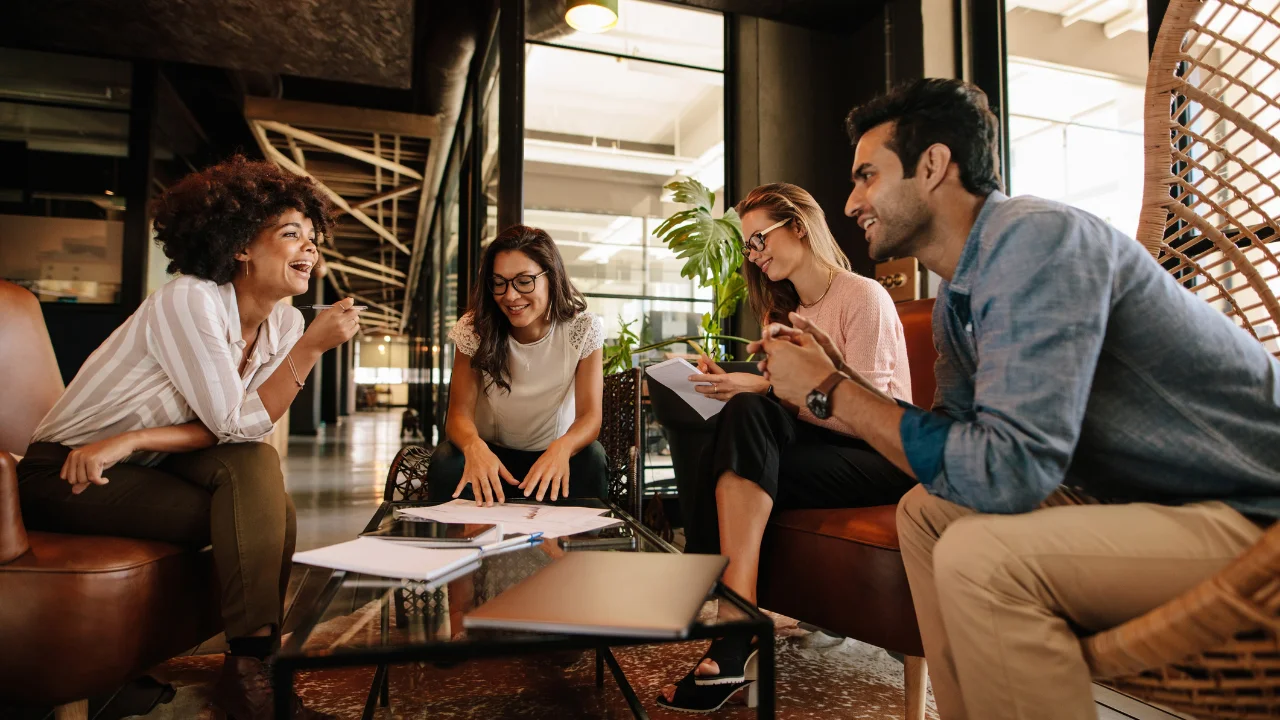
511,542
326,307
697,347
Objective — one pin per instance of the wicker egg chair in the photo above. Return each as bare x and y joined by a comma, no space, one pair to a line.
1210,208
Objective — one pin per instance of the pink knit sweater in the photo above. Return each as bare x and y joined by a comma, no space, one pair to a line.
860,317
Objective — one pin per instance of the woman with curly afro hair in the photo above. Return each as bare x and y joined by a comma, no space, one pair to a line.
159,436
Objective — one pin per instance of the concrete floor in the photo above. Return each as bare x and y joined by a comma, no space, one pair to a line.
337,478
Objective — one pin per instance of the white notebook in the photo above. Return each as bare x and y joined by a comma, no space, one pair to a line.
674,373
388,559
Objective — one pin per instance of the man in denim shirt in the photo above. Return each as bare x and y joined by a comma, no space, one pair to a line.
1067,358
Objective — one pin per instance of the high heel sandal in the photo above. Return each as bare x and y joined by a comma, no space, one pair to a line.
709,693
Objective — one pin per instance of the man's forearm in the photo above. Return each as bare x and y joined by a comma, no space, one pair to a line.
173,439
873,418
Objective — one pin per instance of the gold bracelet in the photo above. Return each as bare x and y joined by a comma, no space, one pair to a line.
293,370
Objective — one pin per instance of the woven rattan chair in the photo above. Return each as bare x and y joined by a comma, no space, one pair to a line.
1210,207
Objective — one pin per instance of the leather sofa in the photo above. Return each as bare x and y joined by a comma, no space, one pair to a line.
841,570
79,615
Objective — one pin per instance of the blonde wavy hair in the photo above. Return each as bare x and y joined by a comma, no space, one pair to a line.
772,301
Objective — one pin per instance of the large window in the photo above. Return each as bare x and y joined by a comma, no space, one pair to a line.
1076,75
609,120
64,134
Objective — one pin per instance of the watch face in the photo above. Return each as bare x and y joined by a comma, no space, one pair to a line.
818,404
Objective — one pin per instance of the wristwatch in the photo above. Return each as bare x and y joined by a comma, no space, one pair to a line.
819,399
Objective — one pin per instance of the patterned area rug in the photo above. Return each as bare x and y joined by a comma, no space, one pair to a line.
818,677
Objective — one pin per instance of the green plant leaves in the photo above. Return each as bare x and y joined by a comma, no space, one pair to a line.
617,356
711,247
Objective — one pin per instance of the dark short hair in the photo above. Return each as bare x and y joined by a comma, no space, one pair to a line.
204,219
937,111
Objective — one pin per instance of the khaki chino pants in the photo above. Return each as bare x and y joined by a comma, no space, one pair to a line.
229,495
1003,600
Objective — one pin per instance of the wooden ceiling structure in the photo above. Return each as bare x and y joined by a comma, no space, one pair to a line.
372,165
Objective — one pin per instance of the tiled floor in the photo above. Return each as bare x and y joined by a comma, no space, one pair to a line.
337,478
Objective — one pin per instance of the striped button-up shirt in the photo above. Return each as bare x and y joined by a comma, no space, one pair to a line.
175,360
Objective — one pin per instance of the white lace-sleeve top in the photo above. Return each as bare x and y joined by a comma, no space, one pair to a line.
540,407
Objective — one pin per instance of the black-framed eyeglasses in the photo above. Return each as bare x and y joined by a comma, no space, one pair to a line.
524,283
756,240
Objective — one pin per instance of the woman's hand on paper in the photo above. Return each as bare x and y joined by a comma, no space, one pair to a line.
550,473
723,386
484,472
85,465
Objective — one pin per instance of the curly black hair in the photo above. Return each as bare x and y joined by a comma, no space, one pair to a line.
934,110
209,216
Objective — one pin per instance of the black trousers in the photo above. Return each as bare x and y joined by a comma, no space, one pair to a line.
799,464
588,471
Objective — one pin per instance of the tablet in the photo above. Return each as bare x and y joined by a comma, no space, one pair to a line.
431,532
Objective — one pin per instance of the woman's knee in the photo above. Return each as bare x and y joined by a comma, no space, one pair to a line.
252,467
745,405
589,471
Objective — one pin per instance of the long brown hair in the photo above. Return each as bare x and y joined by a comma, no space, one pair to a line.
772,301
564,302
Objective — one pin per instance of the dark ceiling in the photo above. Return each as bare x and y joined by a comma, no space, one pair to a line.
367,41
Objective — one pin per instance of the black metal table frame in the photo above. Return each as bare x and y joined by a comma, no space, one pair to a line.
291,659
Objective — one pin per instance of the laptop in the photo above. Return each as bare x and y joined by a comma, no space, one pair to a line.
633,594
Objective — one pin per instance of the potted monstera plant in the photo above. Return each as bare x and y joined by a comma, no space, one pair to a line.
711,248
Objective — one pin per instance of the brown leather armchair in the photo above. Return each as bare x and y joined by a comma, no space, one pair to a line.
841,569
79,615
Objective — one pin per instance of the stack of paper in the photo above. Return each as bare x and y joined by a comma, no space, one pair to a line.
552,521
389,559
674,373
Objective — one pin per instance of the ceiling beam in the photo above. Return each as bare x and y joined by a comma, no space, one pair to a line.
374,303
361,261
1077,11
338,117
364,273
388,195
334,146
1133,20
272,153
298,157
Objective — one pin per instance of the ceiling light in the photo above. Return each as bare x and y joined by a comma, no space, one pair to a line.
382,349
592,16
386,338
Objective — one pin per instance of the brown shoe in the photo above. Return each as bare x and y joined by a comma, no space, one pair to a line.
244,692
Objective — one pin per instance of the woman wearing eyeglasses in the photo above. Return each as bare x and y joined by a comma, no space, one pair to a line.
766,455
524,399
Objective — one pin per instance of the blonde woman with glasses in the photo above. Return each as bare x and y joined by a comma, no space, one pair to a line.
768,455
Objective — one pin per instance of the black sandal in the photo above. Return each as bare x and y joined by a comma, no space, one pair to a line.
693,698
707,693
732,656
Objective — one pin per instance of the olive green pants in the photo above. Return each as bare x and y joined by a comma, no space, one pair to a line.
231,496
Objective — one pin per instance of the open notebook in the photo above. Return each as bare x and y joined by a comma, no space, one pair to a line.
389,559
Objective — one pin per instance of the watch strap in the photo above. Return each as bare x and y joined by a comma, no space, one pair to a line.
829,385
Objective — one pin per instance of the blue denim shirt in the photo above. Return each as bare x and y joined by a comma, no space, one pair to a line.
1068,355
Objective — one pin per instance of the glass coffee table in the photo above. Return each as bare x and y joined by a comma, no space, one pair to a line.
406,621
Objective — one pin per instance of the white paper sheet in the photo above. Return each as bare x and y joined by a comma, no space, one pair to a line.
388,559
552,521
674,373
